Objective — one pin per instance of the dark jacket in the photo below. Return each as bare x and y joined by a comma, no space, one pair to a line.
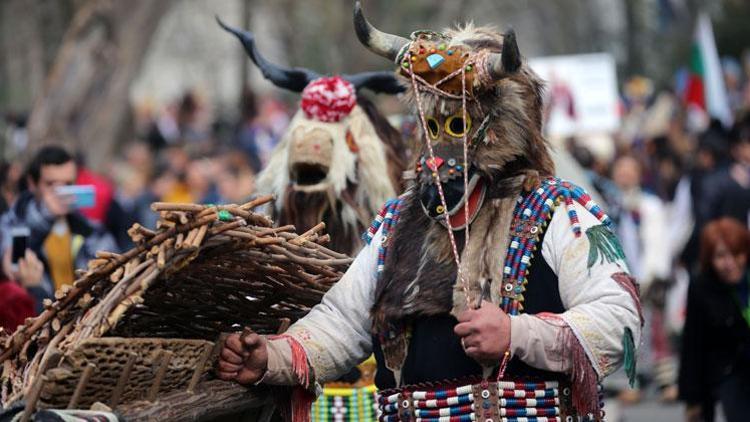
715,340
26,211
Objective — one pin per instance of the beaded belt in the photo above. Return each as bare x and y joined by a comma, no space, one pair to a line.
355,404
488,401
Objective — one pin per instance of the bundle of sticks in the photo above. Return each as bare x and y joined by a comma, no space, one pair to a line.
205,270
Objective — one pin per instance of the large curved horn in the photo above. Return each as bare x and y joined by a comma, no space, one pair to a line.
380,43
294,79
379,82
510,59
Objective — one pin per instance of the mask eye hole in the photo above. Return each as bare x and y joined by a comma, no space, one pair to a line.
433,127
454,125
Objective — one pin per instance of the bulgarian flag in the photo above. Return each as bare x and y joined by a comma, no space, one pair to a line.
705,91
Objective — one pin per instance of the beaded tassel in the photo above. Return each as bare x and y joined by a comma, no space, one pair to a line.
530,217
386,218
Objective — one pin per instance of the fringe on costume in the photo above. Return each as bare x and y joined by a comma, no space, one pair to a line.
582,373
301,398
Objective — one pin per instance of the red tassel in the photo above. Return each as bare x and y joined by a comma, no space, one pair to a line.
302,398
302,401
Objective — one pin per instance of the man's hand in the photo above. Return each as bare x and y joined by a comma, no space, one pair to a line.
244,357
30,270
484,332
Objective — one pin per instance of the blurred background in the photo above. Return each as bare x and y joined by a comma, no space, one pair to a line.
647,99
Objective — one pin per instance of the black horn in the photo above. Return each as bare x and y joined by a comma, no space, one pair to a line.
510,59
380,43
294,79
379,82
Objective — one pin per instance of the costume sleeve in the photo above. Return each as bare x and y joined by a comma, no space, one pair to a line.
335,335
601,324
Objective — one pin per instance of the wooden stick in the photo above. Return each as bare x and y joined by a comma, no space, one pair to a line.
274,230
170,206
200,366
81,386
122,381
299,240
178,242
257,201
226,226
199,237
191,237
32,398
108,255
161,257
166,357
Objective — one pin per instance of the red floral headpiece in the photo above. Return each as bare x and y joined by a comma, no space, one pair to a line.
328,99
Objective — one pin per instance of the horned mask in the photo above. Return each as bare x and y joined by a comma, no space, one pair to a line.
480,109
339,159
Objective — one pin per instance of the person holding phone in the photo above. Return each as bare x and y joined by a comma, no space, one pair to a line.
20,288
58,234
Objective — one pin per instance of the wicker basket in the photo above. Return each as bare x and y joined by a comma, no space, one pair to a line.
144,324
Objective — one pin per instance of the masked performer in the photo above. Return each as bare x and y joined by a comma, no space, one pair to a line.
490,290
339,160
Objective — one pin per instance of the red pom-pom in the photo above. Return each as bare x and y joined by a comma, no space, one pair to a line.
328,99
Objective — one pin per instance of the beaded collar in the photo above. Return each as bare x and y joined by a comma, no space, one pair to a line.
531,215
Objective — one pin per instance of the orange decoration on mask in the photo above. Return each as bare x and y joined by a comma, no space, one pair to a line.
351,143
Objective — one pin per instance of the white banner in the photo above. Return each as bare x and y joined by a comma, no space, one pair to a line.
581,94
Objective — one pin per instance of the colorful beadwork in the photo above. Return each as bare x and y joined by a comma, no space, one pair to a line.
531,215
486,401
386,218
346,404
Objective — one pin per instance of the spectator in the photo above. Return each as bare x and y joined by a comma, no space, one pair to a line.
716,338
18,302
248,129
60,236
727,192
642,228
236,180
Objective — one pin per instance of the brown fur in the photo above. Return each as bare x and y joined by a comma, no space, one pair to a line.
304,210
419,277
395,145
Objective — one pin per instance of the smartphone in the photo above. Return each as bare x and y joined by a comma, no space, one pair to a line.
20,237
81,196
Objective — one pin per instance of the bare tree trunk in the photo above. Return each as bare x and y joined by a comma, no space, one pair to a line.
633,28
30,34
84,103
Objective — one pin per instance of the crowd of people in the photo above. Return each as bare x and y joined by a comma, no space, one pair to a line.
678,190
678,187
181,154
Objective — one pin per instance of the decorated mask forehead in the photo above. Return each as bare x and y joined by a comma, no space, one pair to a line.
431,56
470,58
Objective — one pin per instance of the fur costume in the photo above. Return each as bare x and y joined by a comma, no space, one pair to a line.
482,207
329,165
